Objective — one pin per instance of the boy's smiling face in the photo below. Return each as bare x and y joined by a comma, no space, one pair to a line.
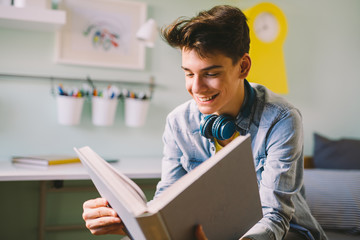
214,82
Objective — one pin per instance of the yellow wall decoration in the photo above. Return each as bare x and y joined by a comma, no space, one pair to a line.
268,29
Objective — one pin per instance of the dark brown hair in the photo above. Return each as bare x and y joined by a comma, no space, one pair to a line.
222,29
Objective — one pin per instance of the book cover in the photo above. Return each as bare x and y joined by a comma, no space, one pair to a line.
221,194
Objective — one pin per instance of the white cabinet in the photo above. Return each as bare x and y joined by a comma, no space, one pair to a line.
31,18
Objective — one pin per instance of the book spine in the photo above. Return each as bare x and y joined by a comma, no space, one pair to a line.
153,227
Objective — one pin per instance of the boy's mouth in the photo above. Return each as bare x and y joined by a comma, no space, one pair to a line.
206,99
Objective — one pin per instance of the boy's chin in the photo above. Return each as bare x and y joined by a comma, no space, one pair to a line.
206,111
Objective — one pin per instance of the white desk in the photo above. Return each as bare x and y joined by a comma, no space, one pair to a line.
136,168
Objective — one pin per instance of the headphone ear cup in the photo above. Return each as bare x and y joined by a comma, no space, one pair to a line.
223,127
206,126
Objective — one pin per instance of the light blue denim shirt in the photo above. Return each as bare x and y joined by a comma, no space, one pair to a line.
276,132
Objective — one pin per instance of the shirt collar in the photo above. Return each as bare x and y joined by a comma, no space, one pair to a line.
243,120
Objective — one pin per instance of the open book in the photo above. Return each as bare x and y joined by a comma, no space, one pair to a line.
221,194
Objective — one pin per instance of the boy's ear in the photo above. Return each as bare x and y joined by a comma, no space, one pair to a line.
245,65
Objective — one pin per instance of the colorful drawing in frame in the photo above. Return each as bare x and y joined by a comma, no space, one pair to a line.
101,33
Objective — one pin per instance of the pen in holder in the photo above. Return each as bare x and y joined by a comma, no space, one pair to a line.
69,109
136,111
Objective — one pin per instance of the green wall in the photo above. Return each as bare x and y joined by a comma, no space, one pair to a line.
322,60
321,53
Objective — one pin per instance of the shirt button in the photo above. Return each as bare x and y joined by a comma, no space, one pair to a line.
212,149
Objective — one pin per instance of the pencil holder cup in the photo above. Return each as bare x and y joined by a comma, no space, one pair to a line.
103,111
136,111
69,109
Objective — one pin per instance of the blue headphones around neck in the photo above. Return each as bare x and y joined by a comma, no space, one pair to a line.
223,127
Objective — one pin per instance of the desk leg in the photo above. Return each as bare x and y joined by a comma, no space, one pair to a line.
42,210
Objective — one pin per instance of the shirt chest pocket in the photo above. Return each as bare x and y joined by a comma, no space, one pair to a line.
195,151
190,164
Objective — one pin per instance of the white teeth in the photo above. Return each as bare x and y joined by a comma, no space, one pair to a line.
204,99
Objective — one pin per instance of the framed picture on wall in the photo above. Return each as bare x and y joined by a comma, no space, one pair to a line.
101,33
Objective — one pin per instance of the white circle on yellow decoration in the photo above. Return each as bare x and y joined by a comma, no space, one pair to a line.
266,27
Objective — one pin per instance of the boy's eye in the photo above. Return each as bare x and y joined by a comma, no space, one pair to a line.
212,74
189,74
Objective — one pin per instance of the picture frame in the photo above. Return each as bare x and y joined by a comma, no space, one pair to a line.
101,33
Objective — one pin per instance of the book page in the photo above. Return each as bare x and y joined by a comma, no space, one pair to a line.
118,184
128,183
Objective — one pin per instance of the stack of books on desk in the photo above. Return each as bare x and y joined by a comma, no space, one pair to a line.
45,160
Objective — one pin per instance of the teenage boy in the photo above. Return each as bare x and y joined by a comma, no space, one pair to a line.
215,58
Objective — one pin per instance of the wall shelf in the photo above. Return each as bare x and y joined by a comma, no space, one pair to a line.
31,18
150,84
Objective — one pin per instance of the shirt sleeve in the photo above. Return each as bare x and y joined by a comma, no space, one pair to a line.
171,169
281,176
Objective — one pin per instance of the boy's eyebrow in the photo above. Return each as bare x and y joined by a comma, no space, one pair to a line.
204,69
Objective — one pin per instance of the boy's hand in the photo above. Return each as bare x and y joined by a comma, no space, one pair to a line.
101,219
199,233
